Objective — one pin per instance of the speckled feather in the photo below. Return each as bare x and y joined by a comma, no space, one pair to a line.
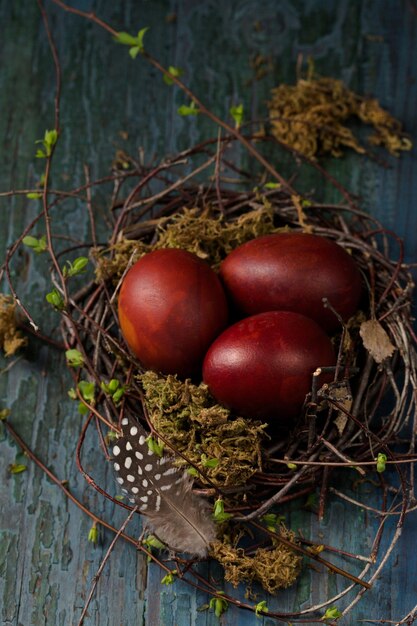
163,493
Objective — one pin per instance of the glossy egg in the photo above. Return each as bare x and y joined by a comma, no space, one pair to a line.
262,366
293,272
171,307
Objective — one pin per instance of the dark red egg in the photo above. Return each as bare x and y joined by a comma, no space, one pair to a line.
293,272
171,307
262,366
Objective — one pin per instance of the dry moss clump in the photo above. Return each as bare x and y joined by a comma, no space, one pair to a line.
228,450
274,568
310,117
11,339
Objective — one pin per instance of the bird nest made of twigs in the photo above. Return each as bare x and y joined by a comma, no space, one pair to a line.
357,421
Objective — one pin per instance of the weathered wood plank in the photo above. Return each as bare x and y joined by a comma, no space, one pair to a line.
46,562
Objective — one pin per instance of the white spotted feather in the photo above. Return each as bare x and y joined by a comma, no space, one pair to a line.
163,493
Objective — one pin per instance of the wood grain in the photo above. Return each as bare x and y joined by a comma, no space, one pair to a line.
46,562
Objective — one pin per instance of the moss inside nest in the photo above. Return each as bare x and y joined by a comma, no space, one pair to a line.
11,339
228,450
211,237
311,118
274,568
111,262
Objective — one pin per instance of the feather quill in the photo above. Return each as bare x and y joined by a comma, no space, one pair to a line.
163,492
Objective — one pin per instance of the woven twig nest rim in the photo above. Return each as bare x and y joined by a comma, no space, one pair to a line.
354,428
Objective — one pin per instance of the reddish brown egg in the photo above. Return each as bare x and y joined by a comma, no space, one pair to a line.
171,307
293,272
262,366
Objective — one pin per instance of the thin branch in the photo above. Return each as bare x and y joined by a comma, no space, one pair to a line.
96,577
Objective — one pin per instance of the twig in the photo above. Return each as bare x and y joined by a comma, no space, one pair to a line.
60,484
103,563
217,173
203,109
89,205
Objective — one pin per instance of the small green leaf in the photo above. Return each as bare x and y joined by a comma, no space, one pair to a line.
113,385
4,414
79,264
210,463
83,409
135,43
169,579
176,72
17,468
153,542
190,109
114,389
87,390
272,185
55,298
72,393
331,613
134,51
292,466
74,358
261,607
110,437
139,38
37,245
154,446
75,268
93,534
192,471
381,462
119,498
34,195
30,241
272,521
219,514
51,137
237,113
49,140
315,550
220,605
117,395
311,502
125,39
306,203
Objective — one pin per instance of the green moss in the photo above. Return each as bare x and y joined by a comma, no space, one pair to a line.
227,449
208,235
211,237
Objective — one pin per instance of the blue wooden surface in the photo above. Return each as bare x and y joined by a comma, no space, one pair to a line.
46,562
